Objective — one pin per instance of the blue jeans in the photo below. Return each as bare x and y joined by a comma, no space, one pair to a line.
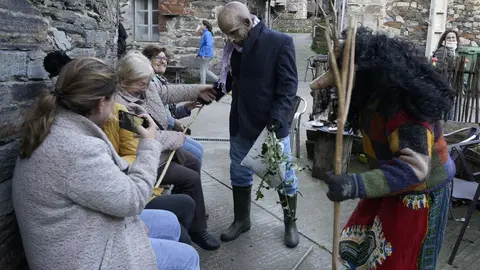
242,176
194,147
164,232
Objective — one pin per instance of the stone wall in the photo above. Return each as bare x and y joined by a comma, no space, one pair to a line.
410,20
180,32
464,16
28,31
299,7
290,25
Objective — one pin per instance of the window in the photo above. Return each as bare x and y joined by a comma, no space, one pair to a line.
146,20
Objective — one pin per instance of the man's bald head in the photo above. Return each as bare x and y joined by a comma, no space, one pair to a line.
235,21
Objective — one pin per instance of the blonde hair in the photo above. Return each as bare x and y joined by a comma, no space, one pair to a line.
133,67
79,87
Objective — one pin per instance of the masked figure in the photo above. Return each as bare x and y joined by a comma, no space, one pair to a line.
397,103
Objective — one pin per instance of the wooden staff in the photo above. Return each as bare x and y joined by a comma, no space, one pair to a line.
169,160
344,83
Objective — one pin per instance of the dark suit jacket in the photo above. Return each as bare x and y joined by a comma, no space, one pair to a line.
266,85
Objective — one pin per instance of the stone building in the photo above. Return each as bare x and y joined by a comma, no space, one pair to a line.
412,20
29,29
175,24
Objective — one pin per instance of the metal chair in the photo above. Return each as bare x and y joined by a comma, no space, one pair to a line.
295,120
458,153
313,62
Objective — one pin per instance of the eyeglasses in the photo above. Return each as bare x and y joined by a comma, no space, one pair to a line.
158,57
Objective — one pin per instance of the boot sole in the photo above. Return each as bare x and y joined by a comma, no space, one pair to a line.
289,245
225,239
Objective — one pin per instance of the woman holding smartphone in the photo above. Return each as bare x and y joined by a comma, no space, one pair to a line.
139,87
78,204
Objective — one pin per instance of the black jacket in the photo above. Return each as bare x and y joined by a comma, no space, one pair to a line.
266,84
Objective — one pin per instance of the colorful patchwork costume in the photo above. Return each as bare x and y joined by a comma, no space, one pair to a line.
397,104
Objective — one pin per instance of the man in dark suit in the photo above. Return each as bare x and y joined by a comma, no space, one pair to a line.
259,67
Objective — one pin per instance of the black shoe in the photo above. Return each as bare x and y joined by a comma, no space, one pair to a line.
289,205
205,240
241,210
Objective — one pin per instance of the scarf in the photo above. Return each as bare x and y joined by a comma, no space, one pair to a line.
227,54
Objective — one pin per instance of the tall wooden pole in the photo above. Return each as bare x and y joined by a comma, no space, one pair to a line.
344,83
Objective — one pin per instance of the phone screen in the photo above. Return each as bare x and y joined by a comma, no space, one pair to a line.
129,121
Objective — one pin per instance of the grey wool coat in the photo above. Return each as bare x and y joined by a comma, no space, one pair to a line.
156,97
75,205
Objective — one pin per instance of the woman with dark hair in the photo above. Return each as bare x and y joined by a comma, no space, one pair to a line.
205,53
398,101
446,51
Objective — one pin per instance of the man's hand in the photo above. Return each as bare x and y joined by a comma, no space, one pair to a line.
340,187
207,94
274,125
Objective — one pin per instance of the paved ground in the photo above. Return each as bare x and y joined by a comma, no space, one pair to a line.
262,246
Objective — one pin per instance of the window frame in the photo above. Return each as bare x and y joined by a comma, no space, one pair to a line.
151,36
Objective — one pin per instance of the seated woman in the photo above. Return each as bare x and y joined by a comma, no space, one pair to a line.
67,217
126,145
159,58
138,88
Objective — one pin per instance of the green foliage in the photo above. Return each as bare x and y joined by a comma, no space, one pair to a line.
272,152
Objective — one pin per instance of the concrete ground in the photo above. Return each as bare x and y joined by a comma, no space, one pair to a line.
262,247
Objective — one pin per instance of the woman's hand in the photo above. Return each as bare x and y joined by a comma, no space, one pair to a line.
177,126
193,105
207,93
145,227
151,131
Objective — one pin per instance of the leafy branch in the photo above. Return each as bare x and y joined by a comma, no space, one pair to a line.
272,154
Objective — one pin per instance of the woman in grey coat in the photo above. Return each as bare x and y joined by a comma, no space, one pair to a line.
139,87
78,204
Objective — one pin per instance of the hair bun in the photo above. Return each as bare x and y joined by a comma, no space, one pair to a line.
55,61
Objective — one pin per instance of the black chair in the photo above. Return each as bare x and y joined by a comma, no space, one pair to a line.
313,62
458,152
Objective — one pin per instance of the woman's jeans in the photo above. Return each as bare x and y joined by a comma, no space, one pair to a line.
205,70
186,180
182,206
194,147
164,232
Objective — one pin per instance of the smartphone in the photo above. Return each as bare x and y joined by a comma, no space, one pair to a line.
129,121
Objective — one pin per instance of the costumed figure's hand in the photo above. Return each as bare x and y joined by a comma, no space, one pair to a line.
207,94
274,125
341,187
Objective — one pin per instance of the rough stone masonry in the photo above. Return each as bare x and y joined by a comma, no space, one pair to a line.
28,31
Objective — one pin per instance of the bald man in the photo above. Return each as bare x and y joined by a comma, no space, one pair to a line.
259,67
